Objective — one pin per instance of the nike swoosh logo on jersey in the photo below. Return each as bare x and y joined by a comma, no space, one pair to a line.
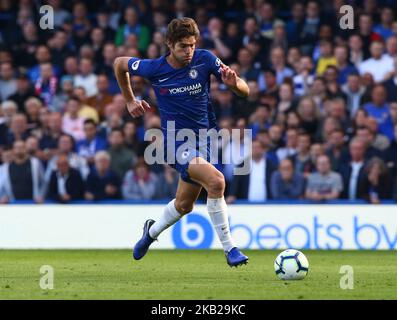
162,80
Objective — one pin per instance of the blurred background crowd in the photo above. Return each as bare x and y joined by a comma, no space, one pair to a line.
322,105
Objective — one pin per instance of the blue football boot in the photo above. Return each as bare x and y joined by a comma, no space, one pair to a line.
142,246
235,258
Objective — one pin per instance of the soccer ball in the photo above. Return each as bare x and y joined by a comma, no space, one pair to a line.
291,265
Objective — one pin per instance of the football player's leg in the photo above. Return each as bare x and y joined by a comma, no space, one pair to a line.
213,181
186,195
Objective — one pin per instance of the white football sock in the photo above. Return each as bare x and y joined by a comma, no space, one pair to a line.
169,217
217,210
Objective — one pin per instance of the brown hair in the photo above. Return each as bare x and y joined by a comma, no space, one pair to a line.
181,28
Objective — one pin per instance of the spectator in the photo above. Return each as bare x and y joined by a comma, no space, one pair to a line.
166,184
7,110
139,183
86,78
286,183
23,177
337,152
324,184
18,129
256,185
380,110
326,58
102,98
353,172
49,140
122,158
354,92
85,110
310,28
368,137
132,26
304,77
381,142
46,84
72,123
290,147
23,91
8,83
378,66
301,159
91,144
66,146
356,52
345,67
61,98
102,183
66,183
378,183
384,28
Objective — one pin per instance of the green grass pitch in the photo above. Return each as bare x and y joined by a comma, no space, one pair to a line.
179,274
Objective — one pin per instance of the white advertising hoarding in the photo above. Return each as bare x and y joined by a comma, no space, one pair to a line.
252,226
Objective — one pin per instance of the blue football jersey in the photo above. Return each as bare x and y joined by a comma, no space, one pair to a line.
183,93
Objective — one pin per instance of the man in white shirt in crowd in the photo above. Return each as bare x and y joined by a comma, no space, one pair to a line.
379,65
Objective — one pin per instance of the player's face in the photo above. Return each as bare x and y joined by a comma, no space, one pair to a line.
183,50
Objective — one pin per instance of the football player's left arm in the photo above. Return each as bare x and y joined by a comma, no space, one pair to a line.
235,83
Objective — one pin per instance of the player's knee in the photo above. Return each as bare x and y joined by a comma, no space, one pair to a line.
183,206
216,184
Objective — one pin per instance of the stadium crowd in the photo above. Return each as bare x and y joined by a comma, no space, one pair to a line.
322,105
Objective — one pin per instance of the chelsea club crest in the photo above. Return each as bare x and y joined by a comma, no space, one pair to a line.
193,73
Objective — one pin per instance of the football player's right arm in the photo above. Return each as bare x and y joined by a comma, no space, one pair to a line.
135,107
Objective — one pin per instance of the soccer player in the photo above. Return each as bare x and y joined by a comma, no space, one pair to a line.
180,80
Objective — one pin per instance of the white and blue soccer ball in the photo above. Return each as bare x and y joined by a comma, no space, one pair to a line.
291,265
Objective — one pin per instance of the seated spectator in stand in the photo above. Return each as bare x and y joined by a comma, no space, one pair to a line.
24,91
301,160
324,184
8,83
72,123
102,183
256,185
102,98
92,143
18,129
66,146
379,109
7,111
368,137
352,172
381,142
85,111
290,146
166,184
379,66
287,184
49,140
122,158
86,78
337,151
354,91
23,177
139,183
377,184
66,183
